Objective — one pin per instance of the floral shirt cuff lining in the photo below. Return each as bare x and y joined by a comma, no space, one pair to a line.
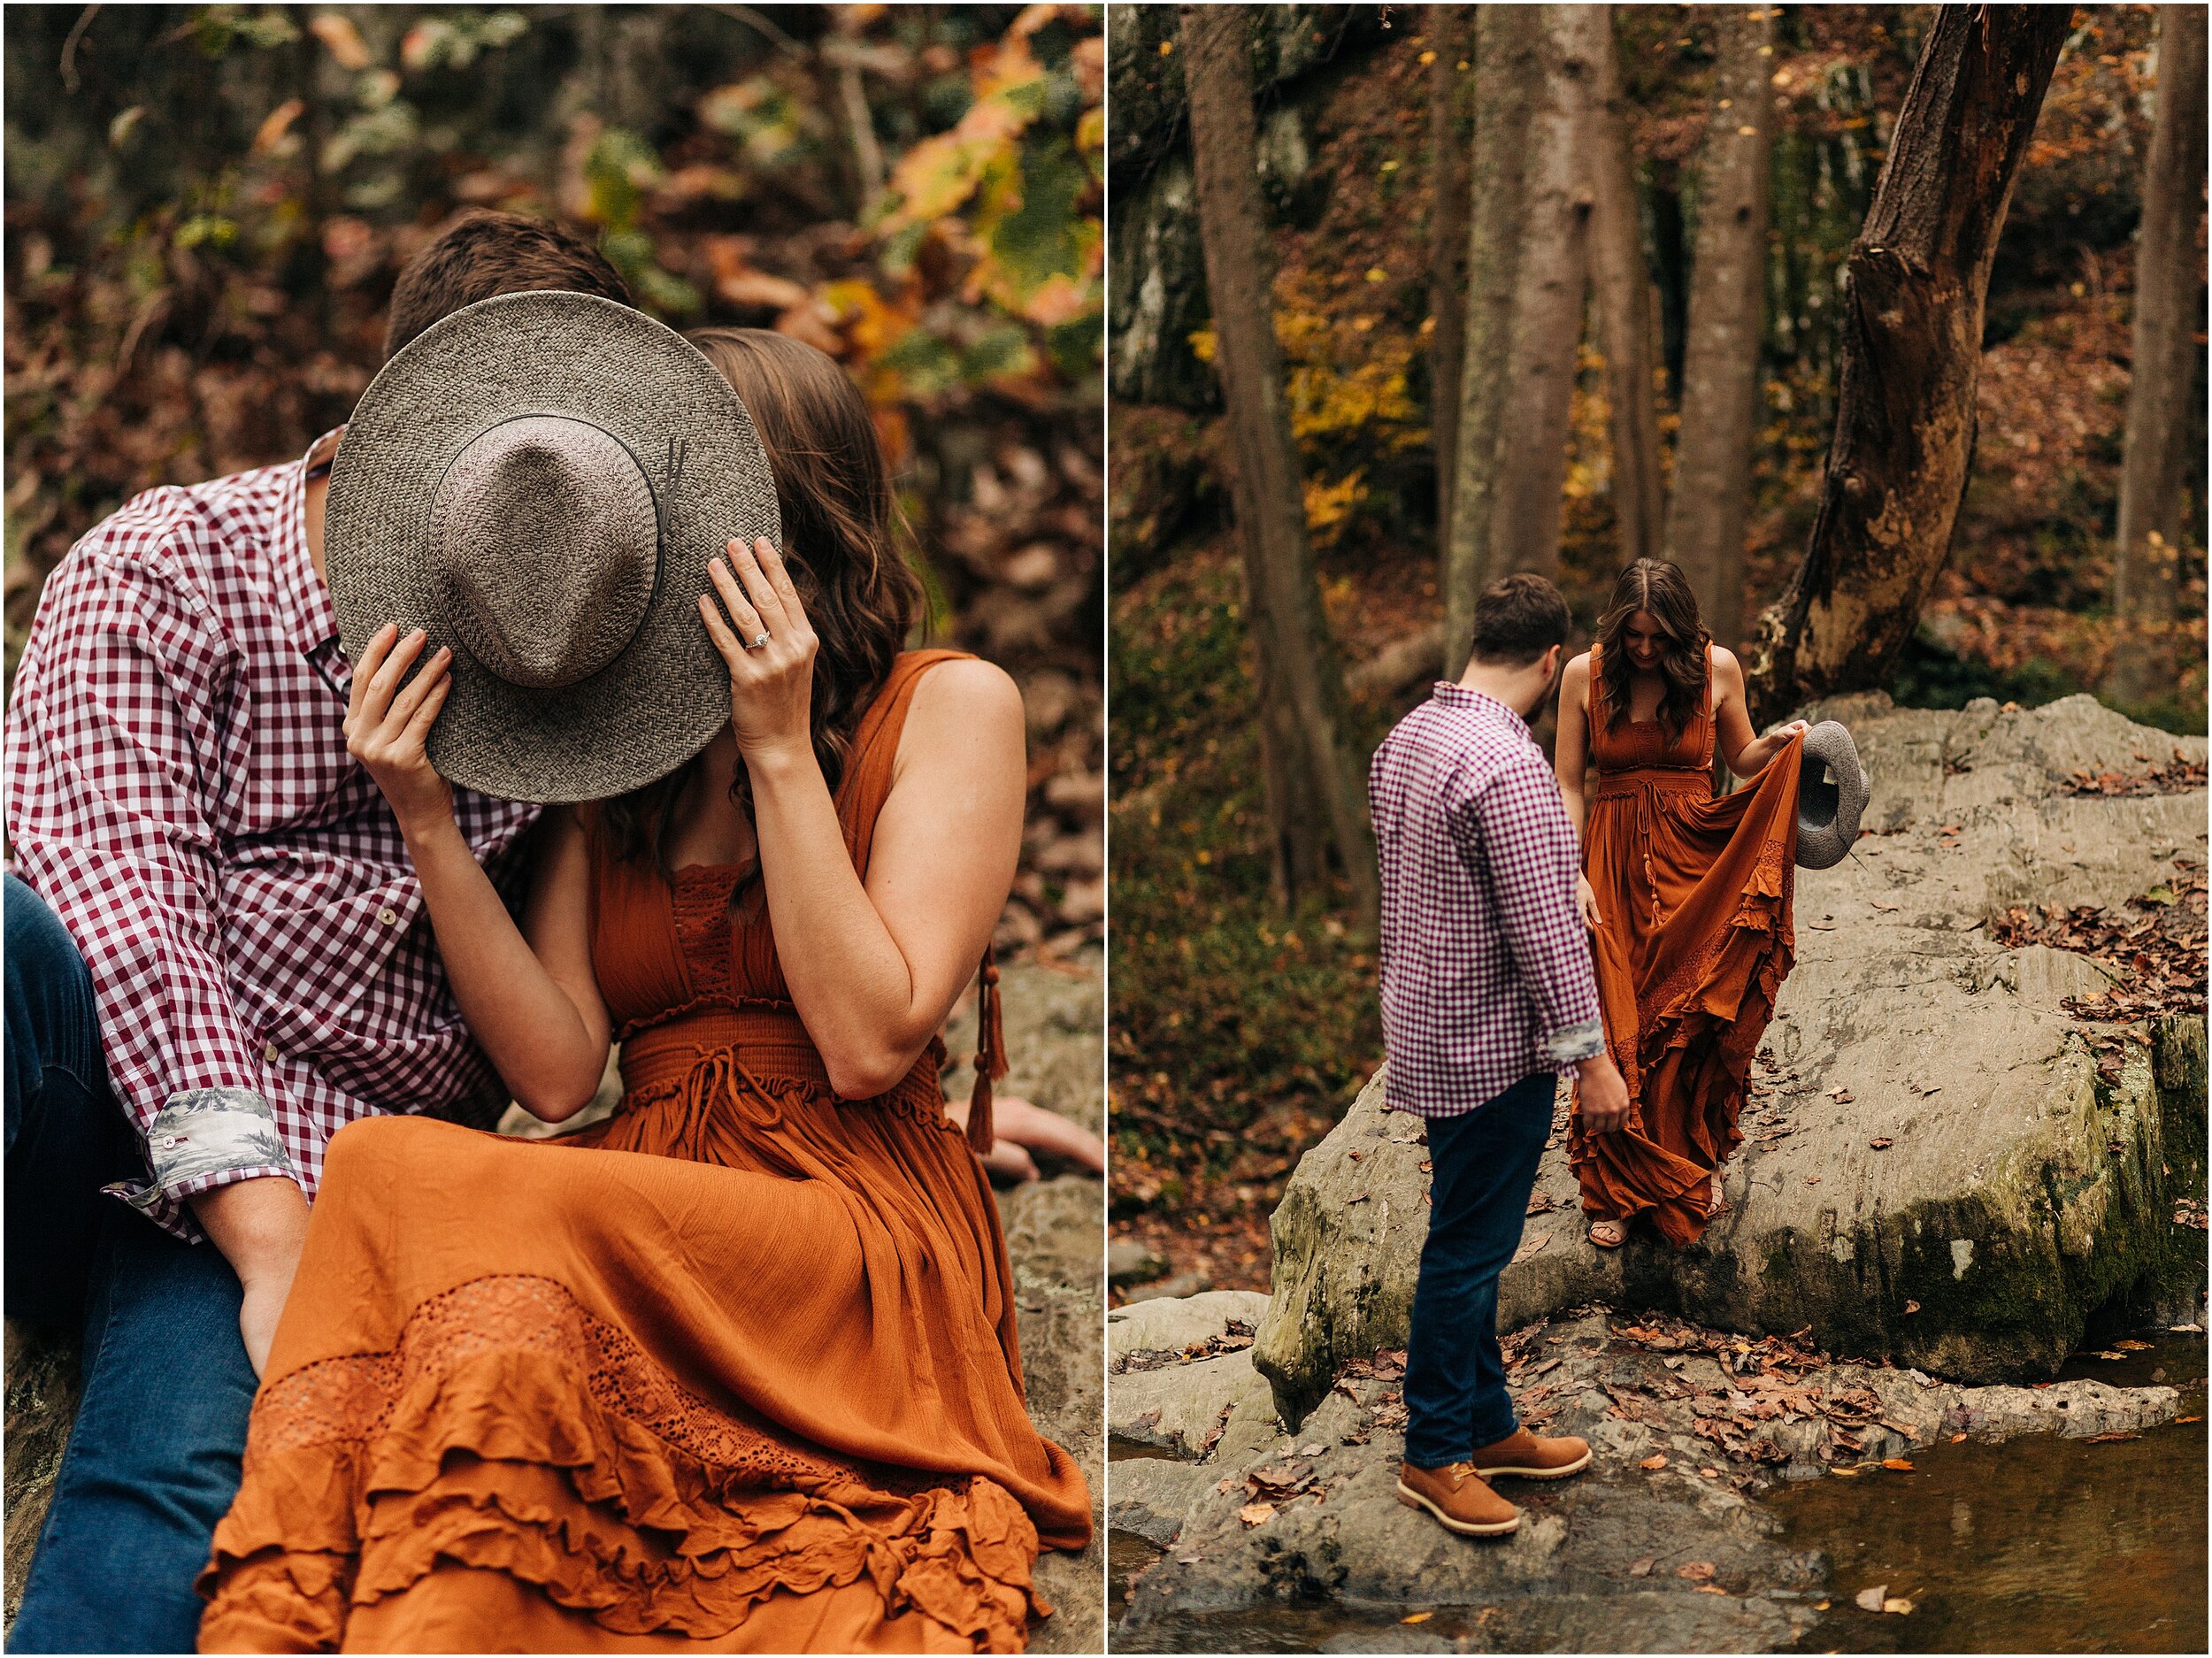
205,1138
1569,1047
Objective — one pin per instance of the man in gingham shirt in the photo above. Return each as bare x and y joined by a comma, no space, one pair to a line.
218,930
1487,998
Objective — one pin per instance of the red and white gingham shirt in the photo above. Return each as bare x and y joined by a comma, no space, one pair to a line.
1486,964
179,793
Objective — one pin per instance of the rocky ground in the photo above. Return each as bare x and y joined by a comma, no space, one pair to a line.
1979,1116
1661,1546
1054,1011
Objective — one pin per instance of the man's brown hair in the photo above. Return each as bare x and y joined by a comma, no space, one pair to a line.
484,252
1518,620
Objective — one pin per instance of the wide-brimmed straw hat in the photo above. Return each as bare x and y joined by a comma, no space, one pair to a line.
539,482
1830,796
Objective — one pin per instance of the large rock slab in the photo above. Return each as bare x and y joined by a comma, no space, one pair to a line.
1663,1546
2017,1191
1056,1239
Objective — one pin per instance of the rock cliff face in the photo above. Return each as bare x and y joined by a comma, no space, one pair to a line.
1054,1235
1937,1170
1157,278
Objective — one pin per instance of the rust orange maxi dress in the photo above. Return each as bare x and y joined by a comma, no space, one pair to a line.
740,1375
1693,894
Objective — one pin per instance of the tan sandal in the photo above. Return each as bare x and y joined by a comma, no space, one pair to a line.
1615,1234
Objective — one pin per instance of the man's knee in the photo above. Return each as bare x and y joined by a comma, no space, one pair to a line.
52,1017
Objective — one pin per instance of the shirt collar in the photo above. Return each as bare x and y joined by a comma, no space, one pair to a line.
306,600
1453,694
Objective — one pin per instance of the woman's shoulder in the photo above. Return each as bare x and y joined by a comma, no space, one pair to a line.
1726,670
1577,668
959,690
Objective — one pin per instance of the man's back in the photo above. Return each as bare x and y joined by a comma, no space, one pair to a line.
179,793
1485,976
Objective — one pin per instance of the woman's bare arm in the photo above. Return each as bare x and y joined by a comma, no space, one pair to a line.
545,1031
874,969
1572,749
1746,753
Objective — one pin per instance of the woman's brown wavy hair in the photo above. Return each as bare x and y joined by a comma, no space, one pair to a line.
834,490
1661,588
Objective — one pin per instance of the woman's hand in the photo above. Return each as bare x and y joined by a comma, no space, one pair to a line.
1587,902
769,648
1776,740
386,727
1020,1127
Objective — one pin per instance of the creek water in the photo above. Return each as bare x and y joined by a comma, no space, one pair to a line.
2038,1544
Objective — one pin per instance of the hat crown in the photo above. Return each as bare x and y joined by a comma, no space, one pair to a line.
544,534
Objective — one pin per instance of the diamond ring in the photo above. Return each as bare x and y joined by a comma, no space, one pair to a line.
758,640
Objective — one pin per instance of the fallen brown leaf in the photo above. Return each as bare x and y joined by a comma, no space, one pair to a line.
1899,1464
1419,1617
1912,1306
1695,1572
1896,1603
1870,1600
1257,1512
1651,1464
2113,1438
1881,1142
1958,1439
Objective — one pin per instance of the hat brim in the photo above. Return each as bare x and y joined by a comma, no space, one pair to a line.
665,695
1828,813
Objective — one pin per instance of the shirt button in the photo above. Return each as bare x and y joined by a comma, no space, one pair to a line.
269,1052
388,917
168,1141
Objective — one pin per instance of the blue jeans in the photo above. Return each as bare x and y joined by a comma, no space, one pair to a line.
152,1463
1482,1168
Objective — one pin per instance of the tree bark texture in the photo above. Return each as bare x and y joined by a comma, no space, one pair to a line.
1916,280
1448,35
1720,369
2169,279
1298,665
1547,298
1506,61
1621,285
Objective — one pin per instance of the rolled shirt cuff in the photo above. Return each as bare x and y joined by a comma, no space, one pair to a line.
203,1138
1572,1044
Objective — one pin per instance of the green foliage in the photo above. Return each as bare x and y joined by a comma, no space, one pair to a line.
203,236
1224,1010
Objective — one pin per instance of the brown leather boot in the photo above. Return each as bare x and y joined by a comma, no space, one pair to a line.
1526,1456
1457,1498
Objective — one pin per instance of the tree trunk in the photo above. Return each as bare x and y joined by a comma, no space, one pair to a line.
1447,34
1547,298
1507,64
2168,278
1720,371
1289,632
1621,282
1916,279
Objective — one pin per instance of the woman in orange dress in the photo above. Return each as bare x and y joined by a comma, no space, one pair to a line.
734,1370
1687,894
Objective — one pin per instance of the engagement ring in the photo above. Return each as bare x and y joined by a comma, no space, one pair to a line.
758,640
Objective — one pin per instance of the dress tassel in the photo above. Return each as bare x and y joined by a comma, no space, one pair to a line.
990,1056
